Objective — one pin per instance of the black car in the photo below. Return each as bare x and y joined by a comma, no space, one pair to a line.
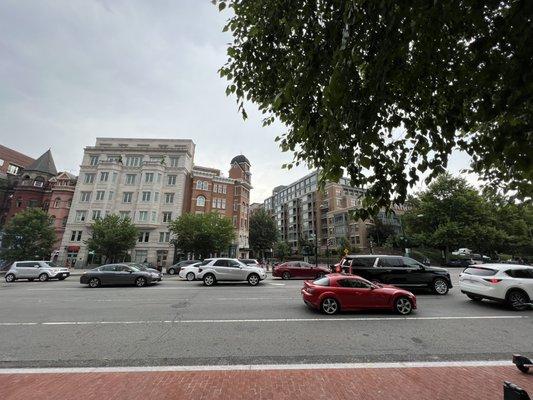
398,271
460,262
175,269
118,274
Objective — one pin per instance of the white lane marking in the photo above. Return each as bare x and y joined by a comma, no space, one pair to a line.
260,367
226,321
276,284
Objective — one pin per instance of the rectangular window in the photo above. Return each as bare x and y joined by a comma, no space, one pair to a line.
114,177
133,161
214,203
167,216
235,206
169,198
154,216
159,178
223,204
93,160
144,237
174,161
224,189
113,158
85,197
143,216
111,193
149,177
199,185
75,236
156,197
146,196
126,197
81,216
124,214
13,169
164,237
96,214
171,180
130,179
104,176
100,194
89,178
215,187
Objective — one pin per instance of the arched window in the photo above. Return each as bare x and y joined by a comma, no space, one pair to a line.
199,185
200,201
57,202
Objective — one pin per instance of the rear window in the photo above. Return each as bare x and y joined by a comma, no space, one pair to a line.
321,281
479,271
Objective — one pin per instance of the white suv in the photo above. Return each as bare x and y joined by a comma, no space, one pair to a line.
506,283
30,270
213,270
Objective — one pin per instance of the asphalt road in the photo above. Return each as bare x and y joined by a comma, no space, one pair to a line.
184,323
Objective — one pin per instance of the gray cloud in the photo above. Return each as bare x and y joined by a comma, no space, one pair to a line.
73,70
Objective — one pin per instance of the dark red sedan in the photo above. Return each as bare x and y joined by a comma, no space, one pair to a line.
334,292
299,270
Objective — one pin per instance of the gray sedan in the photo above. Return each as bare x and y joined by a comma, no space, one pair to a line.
118,274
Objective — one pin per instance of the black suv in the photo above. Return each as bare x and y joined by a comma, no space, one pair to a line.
398,271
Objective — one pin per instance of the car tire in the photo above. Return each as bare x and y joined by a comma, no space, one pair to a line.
474,297
440,286
141,281
43,277
517,300
403,305
330,306
190,276
209,280
62,278
94,283
171,271
253,279
10,278
286,275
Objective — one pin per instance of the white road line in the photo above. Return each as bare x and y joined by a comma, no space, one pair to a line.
259,367
264,320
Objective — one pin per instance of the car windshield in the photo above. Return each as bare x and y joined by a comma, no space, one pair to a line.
52,264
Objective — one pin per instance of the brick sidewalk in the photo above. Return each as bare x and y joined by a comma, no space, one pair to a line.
435,383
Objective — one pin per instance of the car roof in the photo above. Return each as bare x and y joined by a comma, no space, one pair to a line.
501,266
372,255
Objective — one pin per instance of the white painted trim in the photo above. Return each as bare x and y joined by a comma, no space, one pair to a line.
259,367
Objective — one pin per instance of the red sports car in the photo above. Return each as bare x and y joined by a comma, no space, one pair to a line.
334,292
299,270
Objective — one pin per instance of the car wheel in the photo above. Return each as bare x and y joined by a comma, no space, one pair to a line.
330,306
517,300
10,278
286,275
190,276
209,280
140,281
253,279
440,286
62,278
171,271
94,282
474,297
43,277
403,305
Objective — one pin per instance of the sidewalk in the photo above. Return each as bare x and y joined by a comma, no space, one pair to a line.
402,383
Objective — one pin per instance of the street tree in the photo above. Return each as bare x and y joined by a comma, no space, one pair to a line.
29,235
282,250
379,232
112,237
263,232
387,89
202,234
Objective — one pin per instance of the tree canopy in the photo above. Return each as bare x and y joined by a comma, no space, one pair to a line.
29,235
282,250
112,237
387,89
263,231
451,214
202,234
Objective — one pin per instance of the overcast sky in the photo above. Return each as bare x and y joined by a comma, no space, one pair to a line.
74,70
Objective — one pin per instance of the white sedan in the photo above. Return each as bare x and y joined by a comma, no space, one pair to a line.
190,272
505,283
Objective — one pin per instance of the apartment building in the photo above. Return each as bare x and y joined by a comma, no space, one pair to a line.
229,196
143,179
303,212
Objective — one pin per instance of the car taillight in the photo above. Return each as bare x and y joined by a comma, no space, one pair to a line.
493,280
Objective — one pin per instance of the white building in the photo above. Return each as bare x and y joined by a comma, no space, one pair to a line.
143,179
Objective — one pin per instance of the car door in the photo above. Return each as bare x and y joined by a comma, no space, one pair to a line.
221,270
393,270
107,274
123,275
237,271
355,294
306,270
416,275
23,269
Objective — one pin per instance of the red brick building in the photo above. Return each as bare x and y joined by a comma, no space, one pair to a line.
229,196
